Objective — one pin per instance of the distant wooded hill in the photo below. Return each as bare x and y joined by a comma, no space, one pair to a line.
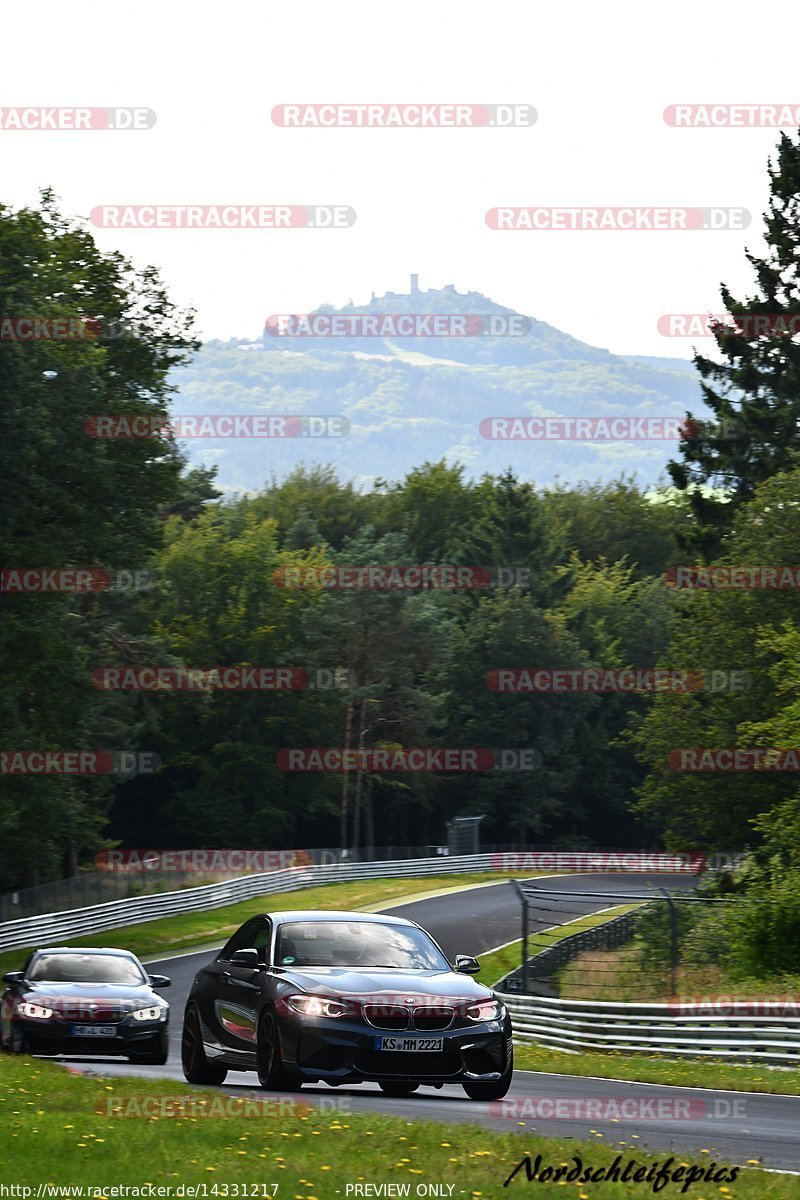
410,399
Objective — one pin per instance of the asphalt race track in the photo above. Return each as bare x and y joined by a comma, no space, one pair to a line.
733,1126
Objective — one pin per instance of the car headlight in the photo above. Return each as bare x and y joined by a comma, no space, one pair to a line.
486,1010
157,1013
37,1011
318,1006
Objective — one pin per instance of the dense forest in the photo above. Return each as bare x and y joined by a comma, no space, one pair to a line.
571,578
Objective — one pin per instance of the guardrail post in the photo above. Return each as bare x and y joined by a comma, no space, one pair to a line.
524,901
673,942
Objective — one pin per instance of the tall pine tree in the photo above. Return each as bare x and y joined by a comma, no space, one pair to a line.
753,389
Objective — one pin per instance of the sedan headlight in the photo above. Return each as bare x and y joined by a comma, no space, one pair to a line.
318,1006
157,1013
37,1011
486,1010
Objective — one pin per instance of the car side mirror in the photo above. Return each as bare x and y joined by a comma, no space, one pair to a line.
465,964
160,981
13,977
246,958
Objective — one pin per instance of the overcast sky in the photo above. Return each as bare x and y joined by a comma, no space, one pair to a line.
598,75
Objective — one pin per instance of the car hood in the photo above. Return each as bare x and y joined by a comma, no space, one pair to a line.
71,995
385,985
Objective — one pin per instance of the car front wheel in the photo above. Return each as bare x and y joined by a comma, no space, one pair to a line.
158,1056
272,1074
396,1088
494,1090
15,1043
196,1067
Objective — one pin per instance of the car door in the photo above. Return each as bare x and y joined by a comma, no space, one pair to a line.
239,989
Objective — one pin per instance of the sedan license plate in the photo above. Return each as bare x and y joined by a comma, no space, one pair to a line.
94,1031
412,1044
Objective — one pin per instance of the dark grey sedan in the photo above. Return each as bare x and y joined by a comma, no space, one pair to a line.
85,1001
345,997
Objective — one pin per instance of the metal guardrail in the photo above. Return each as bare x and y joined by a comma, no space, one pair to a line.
649,1028
150,871
53,928
113,882
50,928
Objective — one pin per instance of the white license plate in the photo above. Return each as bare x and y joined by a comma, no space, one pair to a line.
413,1044
92,1031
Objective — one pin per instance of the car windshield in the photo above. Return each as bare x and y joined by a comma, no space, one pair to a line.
361,944
86,968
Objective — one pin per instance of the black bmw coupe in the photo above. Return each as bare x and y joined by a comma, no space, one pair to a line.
85,1001
345,997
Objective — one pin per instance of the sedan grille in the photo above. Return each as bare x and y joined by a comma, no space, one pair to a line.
81,1014
386,1016
433,1018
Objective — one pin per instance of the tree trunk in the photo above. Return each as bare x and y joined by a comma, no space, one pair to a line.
359,779
369,826
348,725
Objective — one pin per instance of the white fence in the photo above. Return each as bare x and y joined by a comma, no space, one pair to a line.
657,1029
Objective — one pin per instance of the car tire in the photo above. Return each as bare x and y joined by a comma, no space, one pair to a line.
196,1067
494,1090
272,1074
397,1088
16,1043
156,1058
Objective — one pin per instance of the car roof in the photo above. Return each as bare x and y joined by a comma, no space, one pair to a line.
329,914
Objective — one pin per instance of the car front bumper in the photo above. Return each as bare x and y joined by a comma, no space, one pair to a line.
53,1036
336,1050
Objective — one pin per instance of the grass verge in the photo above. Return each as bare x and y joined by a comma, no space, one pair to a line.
57,1130
168,935
620,975
643,1068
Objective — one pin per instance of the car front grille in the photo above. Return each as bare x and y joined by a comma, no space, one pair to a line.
102,1015
427,1019
384,1016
